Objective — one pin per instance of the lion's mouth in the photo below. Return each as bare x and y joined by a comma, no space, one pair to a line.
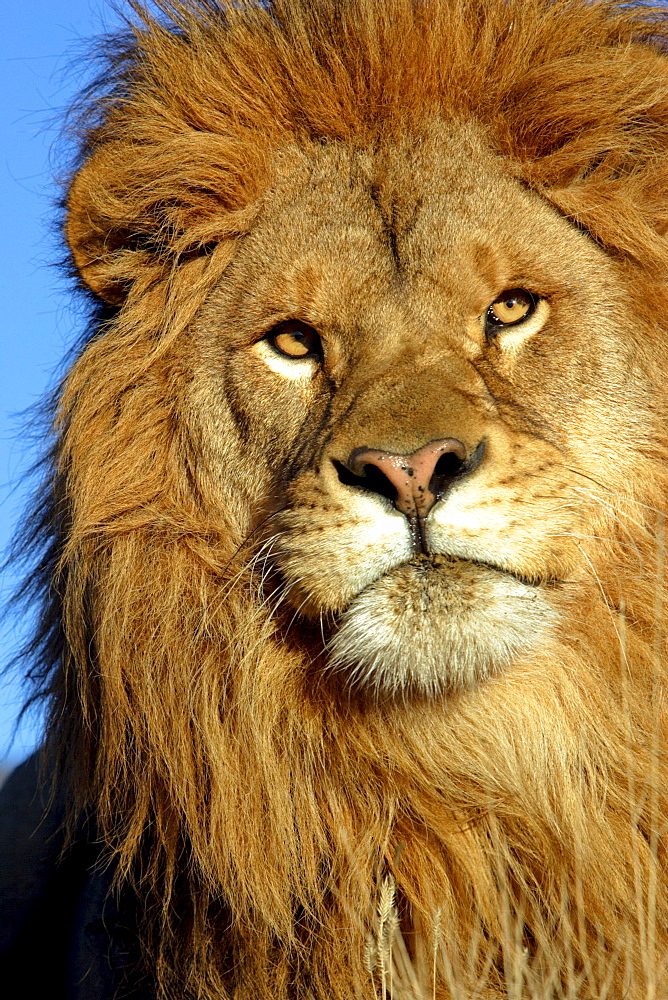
314,594
430,622
439,561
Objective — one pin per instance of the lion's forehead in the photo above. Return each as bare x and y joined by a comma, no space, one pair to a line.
447,221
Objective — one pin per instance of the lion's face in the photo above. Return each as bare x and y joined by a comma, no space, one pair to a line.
430,377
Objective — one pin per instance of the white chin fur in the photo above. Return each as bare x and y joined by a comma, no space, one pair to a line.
436,628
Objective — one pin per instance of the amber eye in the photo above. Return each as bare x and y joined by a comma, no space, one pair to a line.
510,308
297,340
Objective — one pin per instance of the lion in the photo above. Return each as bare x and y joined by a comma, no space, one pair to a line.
353,545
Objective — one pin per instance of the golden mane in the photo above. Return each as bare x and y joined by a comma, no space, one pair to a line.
260,823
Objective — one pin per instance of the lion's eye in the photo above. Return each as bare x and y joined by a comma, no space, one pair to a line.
296,340
514,306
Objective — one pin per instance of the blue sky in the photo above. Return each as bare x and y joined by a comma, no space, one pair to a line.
38,43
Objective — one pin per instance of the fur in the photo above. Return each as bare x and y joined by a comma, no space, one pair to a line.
511,828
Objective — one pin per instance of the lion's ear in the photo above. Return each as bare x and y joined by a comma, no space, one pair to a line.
136,211
99,228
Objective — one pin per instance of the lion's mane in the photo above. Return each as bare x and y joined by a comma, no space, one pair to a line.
257,815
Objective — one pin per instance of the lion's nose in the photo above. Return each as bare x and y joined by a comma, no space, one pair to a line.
412,482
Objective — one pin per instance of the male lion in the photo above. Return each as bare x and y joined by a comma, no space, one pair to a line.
353,548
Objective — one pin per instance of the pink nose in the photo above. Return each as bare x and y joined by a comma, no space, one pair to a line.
413,482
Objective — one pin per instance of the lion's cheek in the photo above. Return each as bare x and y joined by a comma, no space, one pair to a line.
489,528
323,569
